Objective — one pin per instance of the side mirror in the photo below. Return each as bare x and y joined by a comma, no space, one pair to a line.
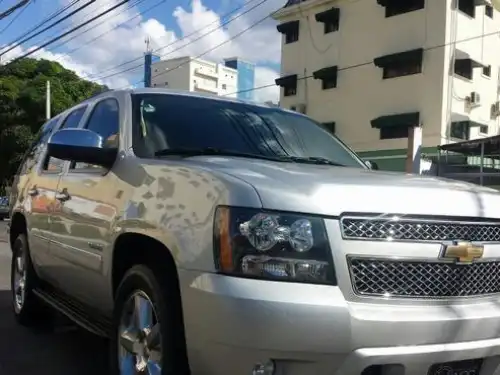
371,165
81,146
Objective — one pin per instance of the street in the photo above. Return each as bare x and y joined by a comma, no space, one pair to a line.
26,352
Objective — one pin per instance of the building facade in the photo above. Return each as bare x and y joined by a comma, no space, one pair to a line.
246,77
186,73
373,69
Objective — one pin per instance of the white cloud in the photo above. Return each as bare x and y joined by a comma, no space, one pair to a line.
121,43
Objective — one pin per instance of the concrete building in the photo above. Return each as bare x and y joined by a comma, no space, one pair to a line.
377,71
187,73
246,77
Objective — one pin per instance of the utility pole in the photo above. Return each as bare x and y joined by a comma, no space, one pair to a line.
47,101
148,57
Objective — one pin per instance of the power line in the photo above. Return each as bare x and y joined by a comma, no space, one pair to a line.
14,19
96,76
12,9
50,17
83,24
106,32
48,27
200,37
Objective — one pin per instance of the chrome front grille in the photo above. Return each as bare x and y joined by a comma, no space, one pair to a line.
421,230
402,278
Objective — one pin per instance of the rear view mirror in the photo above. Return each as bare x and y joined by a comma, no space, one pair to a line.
81,146
371,165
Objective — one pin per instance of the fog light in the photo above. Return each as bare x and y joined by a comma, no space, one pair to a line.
264,369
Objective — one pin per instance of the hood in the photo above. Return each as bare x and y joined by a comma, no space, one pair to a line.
330,190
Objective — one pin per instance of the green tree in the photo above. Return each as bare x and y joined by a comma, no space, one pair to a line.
22,104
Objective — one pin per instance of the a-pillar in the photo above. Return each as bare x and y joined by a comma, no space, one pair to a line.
414,149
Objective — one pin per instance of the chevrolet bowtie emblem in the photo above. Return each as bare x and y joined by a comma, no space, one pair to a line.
462,251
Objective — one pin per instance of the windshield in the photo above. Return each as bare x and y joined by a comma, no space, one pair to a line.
164,121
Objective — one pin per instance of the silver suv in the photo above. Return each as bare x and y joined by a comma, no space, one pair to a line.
212,236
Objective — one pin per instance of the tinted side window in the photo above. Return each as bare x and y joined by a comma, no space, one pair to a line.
105,121
35,151
71,121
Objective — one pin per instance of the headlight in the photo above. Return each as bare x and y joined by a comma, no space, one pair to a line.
272,245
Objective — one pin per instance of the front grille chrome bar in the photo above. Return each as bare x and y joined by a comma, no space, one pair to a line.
405,228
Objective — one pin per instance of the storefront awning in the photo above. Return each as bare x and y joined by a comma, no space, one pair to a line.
469,123
330,15
329,73
482,2
398,120
290,80
288,27
415,55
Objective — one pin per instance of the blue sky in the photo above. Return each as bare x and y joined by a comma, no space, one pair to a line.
116,40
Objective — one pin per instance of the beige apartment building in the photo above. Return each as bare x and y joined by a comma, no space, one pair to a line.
372,70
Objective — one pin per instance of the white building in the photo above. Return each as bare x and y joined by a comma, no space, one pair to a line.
373,69
187,73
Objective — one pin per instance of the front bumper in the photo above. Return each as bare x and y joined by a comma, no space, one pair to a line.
233,324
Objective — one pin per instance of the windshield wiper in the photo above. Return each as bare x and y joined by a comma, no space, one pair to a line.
215,151
221,152
315,160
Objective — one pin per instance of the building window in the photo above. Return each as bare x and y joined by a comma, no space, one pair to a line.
328,77
166,83
330,19
397,7
401,64
330,27
483,129
394,132
463,68
330,126
289,84
468,7
290,90
487,71
401,70
224,86
488,10
460,130
290,30
291,36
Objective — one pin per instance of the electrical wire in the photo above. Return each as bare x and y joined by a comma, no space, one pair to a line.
13,8
108,31
83,24
48,27
14,19
200,37
43,22
96,76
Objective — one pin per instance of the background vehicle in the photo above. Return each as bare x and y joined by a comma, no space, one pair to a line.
211,236
4,208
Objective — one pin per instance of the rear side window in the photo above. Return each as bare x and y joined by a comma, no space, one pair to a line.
72,121
34,153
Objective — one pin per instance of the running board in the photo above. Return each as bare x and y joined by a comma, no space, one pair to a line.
75,311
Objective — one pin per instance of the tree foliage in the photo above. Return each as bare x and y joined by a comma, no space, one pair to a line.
22,104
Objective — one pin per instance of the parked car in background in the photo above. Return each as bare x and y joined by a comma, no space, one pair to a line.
207,235
4,208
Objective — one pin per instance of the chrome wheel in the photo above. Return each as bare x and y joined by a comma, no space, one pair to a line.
139,338
19,279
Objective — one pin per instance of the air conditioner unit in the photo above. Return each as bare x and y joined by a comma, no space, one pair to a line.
495,110
475,98
301,108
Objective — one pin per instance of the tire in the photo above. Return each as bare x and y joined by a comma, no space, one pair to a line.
28,310
152,287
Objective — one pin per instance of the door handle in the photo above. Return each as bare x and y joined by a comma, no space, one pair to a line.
63,195
33,191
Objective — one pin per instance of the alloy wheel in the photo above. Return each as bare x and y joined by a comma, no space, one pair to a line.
19,279
139,337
